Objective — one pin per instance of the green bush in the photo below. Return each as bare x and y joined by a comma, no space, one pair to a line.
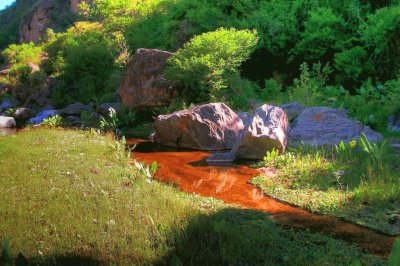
380,33
203,65
83,58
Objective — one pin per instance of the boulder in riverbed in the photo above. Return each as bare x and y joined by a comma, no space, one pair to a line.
211,126
320,126
265,131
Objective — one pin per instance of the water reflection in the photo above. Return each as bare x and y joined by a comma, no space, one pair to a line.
8,131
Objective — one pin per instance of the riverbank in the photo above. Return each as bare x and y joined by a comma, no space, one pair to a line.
71,196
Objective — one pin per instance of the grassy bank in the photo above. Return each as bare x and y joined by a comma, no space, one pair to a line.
345,181
72,197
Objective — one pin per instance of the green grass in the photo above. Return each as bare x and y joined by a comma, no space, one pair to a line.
343,182
72,197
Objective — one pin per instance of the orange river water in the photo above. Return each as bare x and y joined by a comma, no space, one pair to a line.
191,173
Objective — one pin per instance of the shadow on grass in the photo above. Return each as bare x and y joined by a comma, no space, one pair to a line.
235,237
249,237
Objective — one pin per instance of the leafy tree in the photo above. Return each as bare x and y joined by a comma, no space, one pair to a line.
83,59
380,33
203,65
323,34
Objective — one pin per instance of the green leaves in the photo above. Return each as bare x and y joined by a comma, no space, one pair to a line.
203,64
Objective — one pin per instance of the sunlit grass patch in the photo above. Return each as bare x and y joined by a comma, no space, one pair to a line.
344,181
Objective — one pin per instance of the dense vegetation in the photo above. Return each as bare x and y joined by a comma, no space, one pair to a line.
342,53
86,204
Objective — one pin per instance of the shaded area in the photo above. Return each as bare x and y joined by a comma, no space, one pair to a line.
249,237
189,171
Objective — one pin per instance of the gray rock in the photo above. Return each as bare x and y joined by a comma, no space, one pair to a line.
75,109
211,126
103,108
7,122
73,120
42,116
265,131
292,110
144,86
320,126
8,103
394,123
22,114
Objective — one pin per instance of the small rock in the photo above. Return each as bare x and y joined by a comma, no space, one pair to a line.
42,116
394,123
22,114
76,109
7,122
103,108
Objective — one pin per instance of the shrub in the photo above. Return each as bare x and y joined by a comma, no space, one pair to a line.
83,60
203,65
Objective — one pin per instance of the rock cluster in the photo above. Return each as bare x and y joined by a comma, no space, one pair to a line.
216,127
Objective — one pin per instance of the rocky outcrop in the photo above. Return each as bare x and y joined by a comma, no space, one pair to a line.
7,122
320,126
34,25
265,131
211,126
144,86
42,116
76,109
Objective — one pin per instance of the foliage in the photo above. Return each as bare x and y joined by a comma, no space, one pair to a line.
380,34
110,122
54,121
203,64
308,88
20,78
82,58
376,152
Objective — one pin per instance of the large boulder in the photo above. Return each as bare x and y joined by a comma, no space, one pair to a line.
211,126
265,131
320,126
7,122
42,116
144,86
76,109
